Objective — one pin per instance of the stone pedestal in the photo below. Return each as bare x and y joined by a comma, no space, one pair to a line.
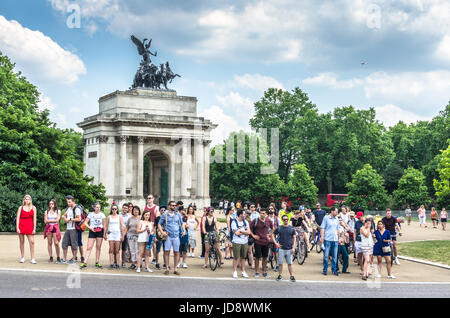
156,124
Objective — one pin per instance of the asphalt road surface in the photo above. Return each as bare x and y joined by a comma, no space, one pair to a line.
25,284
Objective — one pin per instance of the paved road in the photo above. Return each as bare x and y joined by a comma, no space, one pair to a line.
44,284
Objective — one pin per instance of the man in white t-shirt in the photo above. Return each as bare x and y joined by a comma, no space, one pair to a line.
240,230
125,216
72,215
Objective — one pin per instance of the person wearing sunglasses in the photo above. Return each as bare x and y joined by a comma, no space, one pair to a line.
260,231
133,236
158,243
124,246
114,235
172,225
209,225
287,239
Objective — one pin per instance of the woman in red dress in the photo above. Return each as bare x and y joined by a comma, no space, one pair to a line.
26,225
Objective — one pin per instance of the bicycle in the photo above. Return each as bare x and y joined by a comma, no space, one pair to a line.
315,241
213,257
301,251
271,258
223,238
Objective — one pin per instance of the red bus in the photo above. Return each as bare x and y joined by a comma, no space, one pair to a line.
332,199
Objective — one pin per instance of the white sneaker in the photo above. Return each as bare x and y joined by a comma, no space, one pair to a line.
396,261
148,270
244,274
378,276
392,277
138,270
33,261
22,260
179,264
185,265
235,275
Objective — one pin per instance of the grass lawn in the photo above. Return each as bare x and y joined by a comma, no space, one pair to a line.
434,251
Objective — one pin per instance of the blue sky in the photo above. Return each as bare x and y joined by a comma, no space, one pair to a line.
229,52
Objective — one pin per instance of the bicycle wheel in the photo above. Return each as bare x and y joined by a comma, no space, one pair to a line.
318,247
311,243
213,259
302,251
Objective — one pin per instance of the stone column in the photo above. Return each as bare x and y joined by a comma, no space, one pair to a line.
123,165
140,167
200,166
206,172
185,162
85,158
102,167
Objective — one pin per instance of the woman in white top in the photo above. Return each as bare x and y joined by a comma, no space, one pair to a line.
144,229
114,235
95,222
422,213
193,224
51,220
366,246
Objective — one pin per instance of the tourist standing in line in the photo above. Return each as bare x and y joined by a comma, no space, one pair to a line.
95,222
422,213
366,246
259,229
159,243
52,231
173,226
391,224
444,217
408,214
126,214
72,215
381,249
253,215
154,212
221,206
26,219
434,217
209,226
240,231
184,240
132,236
286,246
329,233
114,236
202,234
144,230
342,248
230,215
192,226
357,233
275,223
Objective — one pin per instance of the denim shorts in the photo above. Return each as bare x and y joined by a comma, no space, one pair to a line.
284,254
172,241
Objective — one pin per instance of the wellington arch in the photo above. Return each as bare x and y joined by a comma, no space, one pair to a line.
146,140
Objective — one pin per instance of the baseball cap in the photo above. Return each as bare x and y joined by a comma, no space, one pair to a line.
359,214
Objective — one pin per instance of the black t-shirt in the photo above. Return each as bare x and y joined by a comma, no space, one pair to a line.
286,239
319,215
358,226
297,223
389,224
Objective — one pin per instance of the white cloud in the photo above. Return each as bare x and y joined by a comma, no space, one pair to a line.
330,80
390,115
75,110
235,100
226,124
257,82
37,55
45,102
443,49
62,119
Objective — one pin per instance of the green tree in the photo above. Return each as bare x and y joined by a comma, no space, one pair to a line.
442,185
34,154
243,180
302,185
280,109
411,190
366,189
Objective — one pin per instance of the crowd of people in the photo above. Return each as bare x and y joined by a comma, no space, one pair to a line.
252,231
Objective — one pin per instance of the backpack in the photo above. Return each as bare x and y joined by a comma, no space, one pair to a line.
237,226
81,225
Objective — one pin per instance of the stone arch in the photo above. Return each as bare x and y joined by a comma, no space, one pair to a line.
160,172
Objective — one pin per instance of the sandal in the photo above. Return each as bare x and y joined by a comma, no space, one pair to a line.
166,272
176,273
205,266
